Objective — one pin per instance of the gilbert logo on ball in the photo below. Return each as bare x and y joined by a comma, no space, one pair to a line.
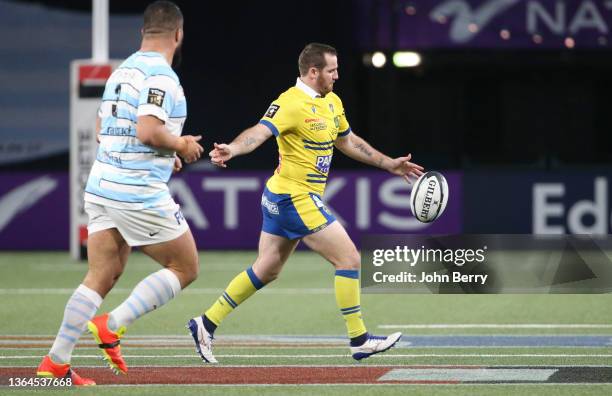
429,197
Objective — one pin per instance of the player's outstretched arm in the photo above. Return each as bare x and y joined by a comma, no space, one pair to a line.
152,132
244,143
360,150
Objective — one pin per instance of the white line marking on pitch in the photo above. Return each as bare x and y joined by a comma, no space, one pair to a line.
254,338
449,366
359,384
497,326
535,355
90,346
198,291
471,374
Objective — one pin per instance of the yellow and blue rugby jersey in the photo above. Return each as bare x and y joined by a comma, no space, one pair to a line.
306,128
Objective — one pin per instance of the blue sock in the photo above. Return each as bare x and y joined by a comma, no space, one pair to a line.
359,340
209,325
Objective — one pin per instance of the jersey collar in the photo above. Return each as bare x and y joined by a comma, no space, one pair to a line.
309,91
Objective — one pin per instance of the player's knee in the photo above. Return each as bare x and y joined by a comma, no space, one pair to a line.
195,272
185,277
355,259
351,261
186,271
268,267
116,277
192,272
265,273
100,281
269,276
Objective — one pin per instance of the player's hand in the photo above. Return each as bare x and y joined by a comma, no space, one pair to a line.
190,150
220,154
402,166
178,164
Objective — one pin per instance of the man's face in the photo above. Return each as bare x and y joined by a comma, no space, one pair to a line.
328,75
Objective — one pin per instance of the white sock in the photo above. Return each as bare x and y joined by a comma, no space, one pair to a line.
81,307
151,293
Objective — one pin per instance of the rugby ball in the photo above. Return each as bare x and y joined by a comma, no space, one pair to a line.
429,197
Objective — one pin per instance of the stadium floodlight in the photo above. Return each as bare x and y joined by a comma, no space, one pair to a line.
406,59
378,59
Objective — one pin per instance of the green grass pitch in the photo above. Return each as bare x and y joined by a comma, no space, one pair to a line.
35,286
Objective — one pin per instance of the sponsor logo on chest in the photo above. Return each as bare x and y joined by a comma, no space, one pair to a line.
315,124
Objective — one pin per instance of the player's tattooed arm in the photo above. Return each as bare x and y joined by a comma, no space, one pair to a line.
244,143
360,150
363,148
249,141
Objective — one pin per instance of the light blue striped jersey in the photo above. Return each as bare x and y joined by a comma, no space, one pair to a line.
128,174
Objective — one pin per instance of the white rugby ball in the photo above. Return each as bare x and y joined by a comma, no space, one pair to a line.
429,197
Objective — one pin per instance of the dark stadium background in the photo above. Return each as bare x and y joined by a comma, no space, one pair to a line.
521,130
461,109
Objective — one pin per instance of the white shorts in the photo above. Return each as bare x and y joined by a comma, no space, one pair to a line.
138,227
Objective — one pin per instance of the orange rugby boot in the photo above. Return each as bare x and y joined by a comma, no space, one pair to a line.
49,369
108,341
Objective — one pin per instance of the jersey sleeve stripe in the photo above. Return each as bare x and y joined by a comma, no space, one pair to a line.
343,134
270,126
154,110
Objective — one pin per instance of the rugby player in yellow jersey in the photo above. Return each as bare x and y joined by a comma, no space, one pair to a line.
308,121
